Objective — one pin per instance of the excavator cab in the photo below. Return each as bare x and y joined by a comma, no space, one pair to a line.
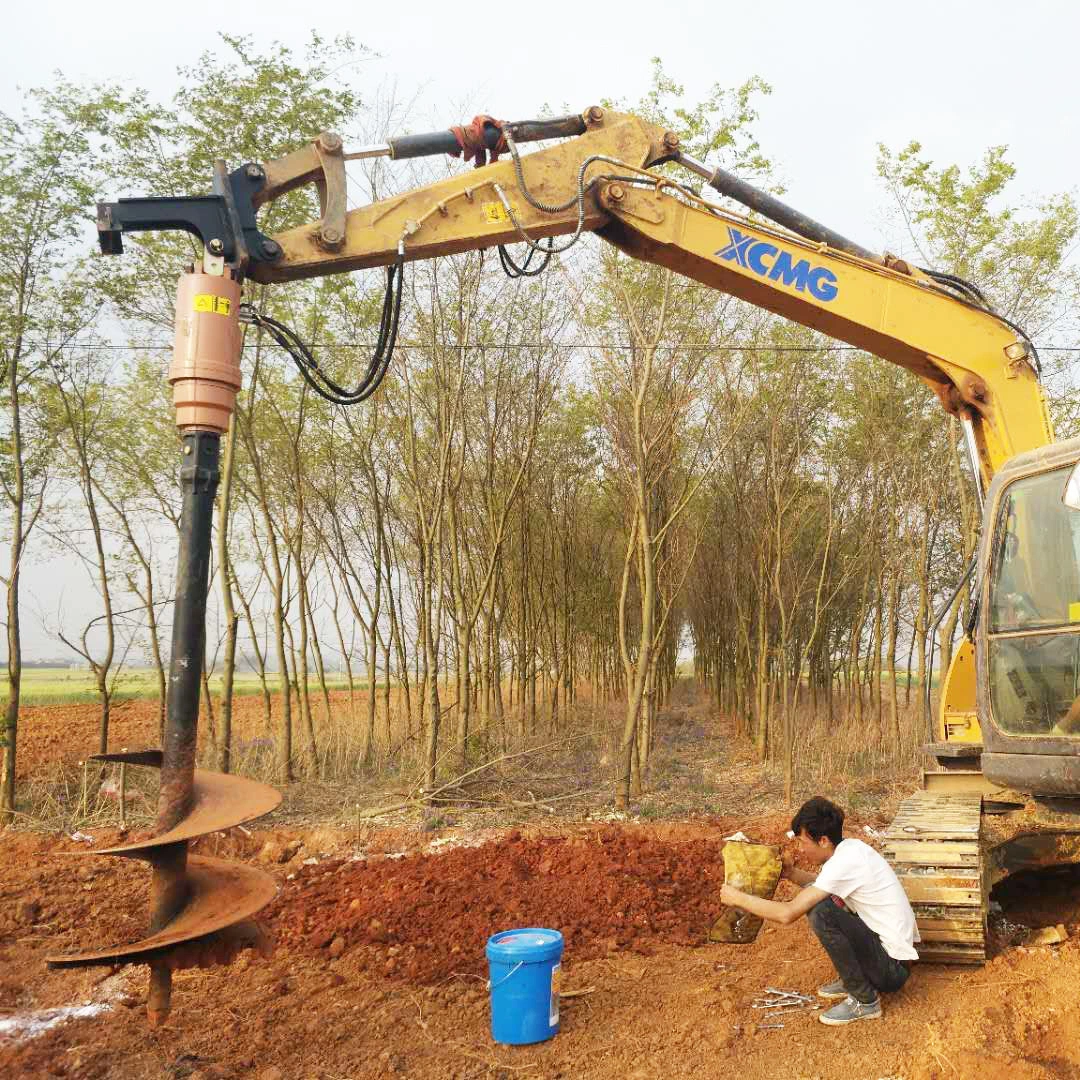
1028,640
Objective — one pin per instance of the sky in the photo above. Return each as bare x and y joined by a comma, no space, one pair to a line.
958,76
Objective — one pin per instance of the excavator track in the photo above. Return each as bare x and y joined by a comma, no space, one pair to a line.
934,845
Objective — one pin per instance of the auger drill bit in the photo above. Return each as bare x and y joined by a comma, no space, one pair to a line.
194,901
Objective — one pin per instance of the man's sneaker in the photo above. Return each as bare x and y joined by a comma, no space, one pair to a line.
834,991
849,1010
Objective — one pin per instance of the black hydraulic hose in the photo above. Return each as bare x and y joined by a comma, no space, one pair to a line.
308,364
774,209
445,142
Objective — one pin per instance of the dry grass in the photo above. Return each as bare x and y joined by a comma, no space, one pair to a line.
513,770
863,749
75,798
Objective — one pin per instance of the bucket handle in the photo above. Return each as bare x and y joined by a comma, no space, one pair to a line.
492,986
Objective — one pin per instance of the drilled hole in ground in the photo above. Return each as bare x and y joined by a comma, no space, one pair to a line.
1035,898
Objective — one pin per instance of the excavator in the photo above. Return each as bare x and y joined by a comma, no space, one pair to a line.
1004,794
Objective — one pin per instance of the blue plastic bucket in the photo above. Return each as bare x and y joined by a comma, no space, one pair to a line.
523,968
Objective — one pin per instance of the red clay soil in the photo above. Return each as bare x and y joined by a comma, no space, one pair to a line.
379,970
49,734
428,917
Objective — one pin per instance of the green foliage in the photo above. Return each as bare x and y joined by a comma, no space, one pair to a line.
720,125
968,221
236,104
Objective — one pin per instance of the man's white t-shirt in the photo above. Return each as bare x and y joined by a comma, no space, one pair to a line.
866,883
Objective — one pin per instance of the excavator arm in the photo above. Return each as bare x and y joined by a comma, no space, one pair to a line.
599,174
601,181
600,177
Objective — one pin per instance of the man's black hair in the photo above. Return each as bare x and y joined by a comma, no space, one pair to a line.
819,818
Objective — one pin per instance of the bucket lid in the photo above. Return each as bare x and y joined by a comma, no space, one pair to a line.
529,944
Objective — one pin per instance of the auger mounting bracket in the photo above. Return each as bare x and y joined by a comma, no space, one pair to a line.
224,221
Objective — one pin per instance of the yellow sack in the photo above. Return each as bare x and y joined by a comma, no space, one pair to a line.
754,869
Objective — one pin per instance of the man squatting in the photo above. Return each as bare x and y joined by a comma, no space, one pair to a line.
857,909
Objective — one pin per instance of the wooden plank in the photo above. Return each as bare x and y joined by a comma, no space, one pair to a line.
936,834
902,827
965,846
950,876
946,862
938,798
963,948
938,813
928,914
963,814
960,813
926,802
932,853
912,846
950,956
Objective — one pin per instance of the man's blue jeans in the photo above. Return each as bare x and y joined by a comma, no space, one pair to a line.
856,951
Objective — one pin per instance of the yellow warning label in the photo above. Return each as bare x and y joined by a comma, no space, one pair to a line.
217,305
1074,613
496,212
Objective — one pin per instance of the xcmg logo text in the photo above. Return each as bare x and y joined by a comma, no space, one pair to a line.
769,261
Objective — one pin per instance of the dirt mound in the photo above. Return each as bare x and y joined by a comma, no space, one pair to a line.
426,917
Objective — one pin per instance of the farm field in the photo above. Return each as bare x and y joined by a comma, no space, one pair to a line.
72,686
67,686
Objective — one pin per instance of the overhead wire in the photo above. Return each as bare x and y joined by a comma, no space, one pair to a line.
959,288
725,346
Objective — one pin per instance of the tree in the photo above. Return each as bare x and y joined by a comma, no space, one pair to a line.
968,223
47,183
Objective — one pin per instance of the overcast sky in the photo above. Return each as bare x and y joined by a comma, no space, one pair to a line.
959,76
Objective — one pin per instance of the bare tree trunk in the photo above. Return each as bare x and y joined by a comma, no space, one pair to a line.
894,629
260,661
19,531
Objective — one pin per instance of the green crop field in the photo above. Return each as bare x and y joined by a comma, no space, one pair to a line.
64,686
